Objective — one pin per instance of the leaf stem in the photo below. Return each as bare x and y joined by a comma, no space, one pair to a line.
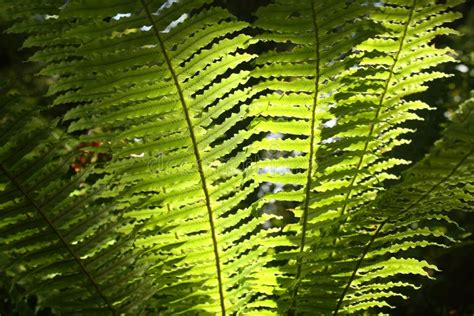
196,154
364,151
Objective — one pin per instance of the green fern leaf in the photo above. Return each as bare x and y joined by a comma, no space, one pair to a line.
405,216
58,240
162,80
345,165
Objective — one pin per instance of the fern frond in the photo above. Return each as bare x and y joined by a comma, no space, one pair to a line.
362,83
163,82
299,81
370,111
58,240
408,216
401,57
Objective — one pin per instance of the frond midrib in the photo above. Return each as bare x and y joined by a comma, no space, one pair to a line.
379,109
372,127
196,154
364,151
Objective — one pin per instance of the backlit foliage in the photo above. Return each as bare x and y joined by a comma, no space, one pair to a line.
195,114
